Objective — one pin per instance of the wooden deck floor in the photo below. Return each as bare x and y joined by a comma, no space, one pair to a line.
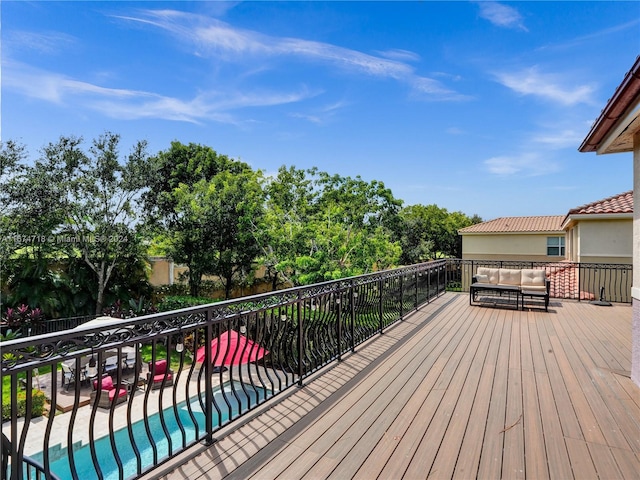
454,391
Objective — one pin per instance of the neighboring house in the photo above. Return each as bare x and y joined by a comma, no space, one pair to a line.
602,231
539,239
617,129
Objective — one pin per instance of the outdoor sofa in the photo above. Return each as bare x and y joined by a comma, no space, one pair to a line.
520,283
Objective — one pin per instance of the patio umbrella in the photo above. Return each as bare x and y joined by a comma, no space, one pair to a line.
231,348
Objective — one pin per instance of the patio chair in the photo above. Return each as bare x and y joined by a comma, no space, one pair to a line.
69,376
110,365
129,362
109,393
159,372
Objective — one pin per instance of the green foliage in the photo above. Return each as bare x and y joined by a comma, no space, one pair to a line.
207,205
178,302
132,308
429,232
323,227
70,204
38,399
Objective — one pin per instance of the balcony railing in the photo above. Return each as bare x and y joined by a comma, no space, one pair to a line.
569,280
137,392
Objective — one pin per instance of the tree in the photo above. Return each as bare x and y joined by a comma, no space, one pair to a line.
324,227
208,206
286,226
429,232
70,204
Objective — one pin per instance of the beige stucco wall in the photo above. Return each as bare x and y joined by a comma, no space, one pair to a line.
605,241
531,247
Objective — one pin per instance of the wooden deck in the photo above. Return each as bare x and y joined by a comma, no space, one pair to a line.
454,391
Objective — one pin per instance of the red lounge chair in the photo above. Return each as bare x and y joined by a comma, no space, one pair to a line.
159,372
109,393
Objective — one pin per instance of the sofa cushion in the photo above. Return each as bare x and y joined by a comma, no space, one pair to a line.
509,276
532,277
534,288
160,378
117,392
491,273
482,278
106,384
160,367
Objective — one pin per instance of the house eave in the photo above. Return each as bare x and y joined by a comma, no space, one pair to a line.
588,217
613,130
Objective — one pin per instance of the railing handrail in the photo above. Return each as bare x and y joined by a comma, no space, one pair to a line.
199,309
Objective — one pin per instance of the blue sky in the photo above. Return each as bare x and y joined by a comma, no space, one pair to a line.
478,107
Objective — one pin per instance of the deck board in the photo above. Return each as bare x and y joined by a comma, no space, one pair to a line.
454,391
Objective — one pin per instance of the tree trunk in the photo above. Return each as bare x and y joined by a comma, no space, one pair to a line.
101,287
228,283
195,279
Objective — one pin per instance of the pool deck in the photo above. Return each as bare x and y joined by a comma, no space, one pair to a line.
453,391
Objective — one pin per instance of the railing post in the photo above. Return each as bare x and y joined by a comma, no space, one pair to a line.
208,393
380,312
352,303
401,297
339,315
300,342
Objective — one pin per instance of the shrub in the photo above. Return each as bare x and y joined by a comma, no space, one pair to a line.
38,403
181,301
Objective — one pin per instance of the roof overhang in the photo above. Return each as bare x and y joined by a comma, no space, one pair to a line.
574,218
613,130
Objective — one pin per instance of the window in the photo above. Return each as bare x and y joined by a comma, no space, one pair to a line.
555,246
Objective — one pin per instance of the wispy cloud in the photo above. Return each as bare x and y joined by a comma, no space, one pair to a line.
526,164
557,139
553,87
598,35
322,115
214,38
502,15
136,104
46,43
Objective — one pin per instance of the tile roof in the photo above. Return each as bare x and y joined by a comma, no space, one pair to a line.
548,223
622,203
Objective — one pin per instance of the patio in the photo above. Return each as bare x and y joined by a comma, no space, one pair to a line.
453,391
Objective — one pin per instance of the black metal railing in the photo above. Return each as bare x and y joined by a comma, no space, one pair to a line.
569,280
136,392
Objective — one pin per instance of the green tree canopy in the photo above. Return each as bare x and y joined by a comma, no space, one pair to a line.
322,227
70,203
429,232
207,207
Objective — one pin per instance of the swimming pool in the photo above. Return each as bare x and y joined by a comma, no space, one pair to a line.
239,401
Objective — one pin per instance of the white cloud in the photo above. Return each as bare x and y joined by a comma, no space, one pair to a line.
322,115
134,104
46,43
549,86
400,55
557,139
502,15
215,38
527,164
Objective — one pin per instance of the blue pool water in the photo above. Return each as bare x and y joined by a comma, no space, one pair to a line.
104,452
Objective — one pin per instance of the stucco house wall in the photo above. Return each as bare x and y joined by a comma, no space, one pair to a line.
602,241
526,247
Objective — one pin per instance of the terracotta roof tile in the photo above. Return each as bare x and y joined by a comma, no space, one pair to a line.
549,223
622,203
